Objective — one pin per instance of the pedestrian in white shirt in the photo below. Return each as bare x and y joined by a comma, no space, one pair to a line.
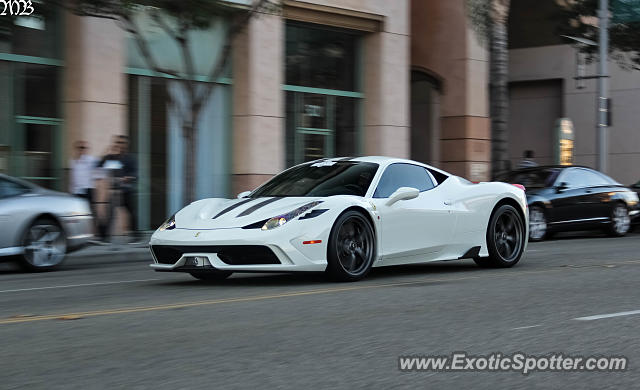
82,167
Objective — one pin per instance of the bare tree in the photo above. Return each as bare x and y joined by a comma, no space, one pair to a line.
177,19
498,86
489,19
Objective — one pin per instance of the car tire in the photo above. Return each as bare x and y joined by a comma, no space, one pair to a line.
506,238
351,249
45,245
212,275
620,222
538,224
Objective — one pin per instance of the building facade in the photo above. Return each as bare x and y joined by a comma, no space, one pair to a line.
321,79
542,67
449,90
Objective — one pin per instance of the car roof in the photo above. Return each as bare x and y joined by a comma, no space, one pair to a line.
19,181
384,161
541,167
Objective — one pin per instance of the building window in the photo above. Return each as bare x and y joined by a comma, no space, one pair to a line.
156,113
30,112
36,36
425,117
322,92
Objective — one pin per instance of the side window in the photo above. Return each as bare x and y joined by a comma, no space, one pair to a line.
9,189
403,175
592,179
440,177
572,178
579,178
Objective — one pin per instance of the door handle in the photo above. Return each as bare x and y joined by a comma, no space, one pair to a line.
448,202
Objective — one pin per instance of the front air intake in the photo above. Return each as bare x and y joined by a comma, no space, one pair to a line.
229,254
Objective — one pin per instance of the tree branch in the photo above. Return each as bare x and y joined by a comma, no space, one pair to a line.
77,10
161,22
143,46
187,58
237,26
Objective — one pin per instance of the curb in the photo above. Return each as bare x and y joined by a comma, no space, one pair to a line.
118,254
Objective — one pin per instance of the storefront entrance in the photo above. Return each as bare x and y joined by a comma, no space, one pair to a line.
314,128
322,93
30,124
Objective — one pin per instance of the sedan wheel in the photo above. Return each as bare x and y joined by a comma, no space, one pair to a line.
620,220
537,224
351,249
45,245
505,238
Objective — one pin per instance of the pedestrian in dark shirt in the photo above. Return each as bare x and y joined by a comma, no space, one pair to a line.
527,160
124,170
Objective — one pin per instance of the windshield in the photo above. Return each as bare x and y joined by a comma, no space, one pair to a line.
533,178
324,178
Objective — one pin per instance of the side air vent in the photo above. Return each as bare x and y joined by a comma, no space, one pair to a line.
314,213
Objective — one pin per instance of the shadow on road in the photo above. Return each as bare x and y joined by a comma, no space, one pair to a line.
318,278
560,236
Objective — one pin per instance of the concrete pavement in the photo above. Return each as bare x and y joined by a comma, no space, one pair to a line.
110,322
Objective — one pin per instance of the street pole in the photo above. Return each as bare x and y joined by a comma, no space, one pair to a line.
603,90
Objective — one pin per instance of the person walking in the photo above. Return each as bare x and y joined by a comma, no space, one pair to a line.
82,166
123,168
527,160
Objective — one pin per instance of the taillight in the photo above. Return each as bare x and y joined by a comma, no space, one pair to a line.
519,186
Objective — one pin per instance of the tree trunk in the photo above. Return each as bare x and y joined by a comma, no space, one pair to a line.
498,92
189,134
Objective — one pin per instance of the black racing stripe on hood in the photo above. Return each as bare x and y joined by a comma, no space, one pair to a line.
233,206
257,206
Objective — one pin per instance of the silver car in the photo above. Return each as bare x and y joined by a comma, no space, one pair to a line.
39,226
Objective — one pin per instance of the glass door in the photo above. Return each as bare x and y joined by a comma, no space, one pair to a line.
36,148
314,127
35,135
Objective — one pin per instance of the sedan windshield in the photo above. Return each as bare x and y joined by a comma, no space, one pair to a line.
324,178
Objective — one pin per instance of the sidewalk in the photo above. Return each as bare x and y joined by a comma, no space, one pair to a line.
118,248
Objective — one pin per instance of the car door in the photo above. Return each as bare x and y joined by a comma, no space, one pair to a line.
411,230
573,203
567,201
10,193
598,189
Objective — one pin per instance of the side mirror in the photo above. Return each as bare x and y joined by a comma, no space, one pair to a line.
403,193
243,194
562,186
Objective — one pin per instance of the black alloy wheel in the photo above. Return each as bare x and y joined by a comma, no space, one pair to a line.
351,250
506,238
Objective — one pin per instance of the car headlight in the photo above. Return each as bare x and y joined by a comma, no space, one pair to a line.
280,220
169,224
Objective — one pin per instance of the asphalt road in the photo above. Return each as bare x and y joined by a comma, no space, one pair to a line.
110,322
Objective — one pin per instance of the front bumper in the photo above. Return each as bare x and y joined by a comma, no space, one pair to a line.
78,230
286,244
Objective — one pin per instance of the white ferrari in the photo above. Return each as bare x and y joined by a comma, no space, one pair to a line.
345,216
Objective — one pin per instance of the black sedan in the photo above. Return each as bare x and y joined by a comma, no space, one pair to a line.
563,198
636,187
